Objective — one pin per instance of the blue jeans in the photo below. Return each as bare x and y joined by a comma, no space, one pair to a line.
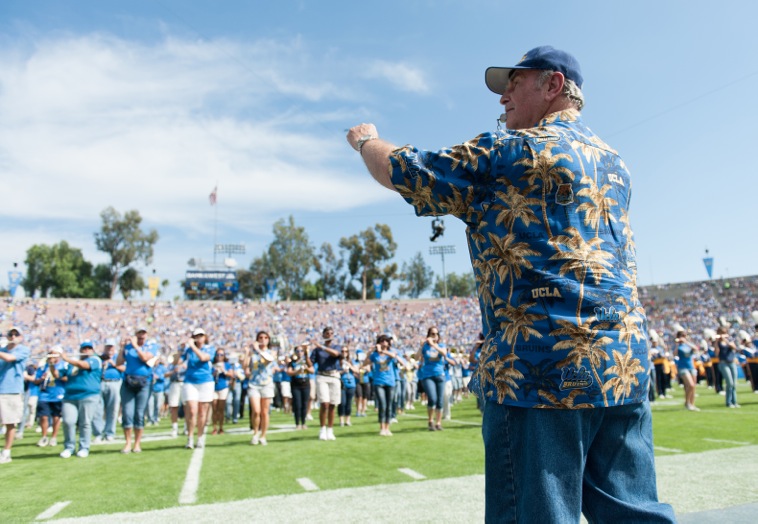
383,397
345,409
434,387
729,372
154,406
78,413
133,404
233,402
546,465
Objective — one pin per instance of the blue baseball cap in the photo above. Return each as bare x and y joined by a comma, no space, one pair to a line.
545,58
86,344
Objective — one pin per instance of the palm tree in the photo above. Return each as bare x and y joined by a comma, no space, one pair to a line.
468,153
420,194
584,344
599,205
540,376
543,168
517,322
484,273
628,325
517,207
459,205
625,369
508,258
583,257
566,402
503,376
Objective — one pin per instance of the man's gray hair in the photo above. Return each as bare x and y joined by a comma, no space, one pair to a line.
570,89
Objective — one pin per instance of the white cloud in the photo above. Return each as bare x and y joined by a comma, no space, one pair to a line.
91,121
400,75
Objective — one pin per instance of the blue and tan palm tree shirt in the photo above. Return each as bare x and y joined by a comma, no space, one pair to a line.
554,259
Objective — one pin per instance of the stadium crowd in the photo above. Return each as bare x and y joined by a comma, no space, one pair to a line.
90,364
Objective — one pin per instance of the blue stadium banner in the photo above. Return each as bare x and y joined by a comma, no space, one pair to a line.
202,284
378,287
708,261
14,279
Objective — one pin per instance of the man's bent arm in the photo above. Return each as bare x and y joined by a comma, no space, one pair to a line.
375,152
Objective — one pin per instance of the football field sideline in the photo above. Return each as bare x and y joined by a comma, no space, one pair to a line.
713,486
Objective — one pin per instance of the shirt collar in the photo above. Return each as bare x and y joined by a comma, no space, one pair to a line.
566,116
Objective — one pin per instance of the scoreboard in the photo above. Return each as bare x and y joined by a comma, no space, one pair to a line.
213,285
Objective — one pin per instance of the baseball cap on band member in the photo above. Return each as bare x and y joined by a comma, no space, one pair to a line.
86,344
544,57
110,342
16,329
198,331
140,330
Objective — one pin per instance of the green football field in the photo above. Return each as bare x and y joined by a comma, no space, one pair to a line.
296,461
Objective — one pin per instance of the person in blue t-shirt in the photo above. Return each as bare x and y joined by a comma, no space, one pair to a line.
223,374
382,361
175,374
13,359
155,406
432,357
139,357
348,371
104,425
198,385
685,366
50,377
80,399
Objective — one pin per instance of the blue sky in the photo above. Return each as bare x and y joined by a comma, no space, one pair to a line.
149,104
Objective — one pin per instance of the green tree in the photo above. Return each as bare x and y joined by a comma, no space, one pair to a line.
58,271
291,253
129,282
252,281
330,270
457,285
367,251
122,239
416,275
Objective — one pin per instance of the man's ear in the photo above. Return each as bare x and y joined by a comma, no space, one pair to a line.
554,86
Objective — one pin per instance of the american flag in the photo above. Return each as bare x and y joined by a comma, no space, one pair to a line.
212,196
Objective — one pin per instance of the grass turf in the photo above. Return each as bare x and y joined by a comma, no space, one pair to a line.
108,482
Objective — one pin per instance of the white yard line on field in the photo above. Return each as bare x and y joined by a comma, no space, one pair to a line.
192,480
718,441
53,510
413,474
307,484
669,450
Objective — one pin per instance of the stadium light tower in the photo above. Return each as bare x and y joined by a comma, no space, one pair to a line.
442,251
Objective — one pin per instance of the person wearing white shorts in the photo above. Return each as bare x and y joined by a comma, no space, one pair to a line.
175,374
198,386
260,366
326,356
12,362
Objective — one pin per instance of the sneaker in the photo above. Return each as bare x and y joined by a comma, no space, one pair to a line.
110,438
66,453
174,433
44,441
201,441
263,441
330,434
382,432
82,453
189,445
97,440
255,440
53,442
309,417
393,420
38,429
322,434
387,433
692,408
736,405
5,459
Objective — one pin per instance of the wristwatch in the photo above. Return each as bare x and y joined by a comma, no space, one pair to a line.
362,140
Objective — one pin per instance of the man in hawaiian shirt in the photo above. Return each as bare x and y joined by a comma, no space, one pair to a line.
546,203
